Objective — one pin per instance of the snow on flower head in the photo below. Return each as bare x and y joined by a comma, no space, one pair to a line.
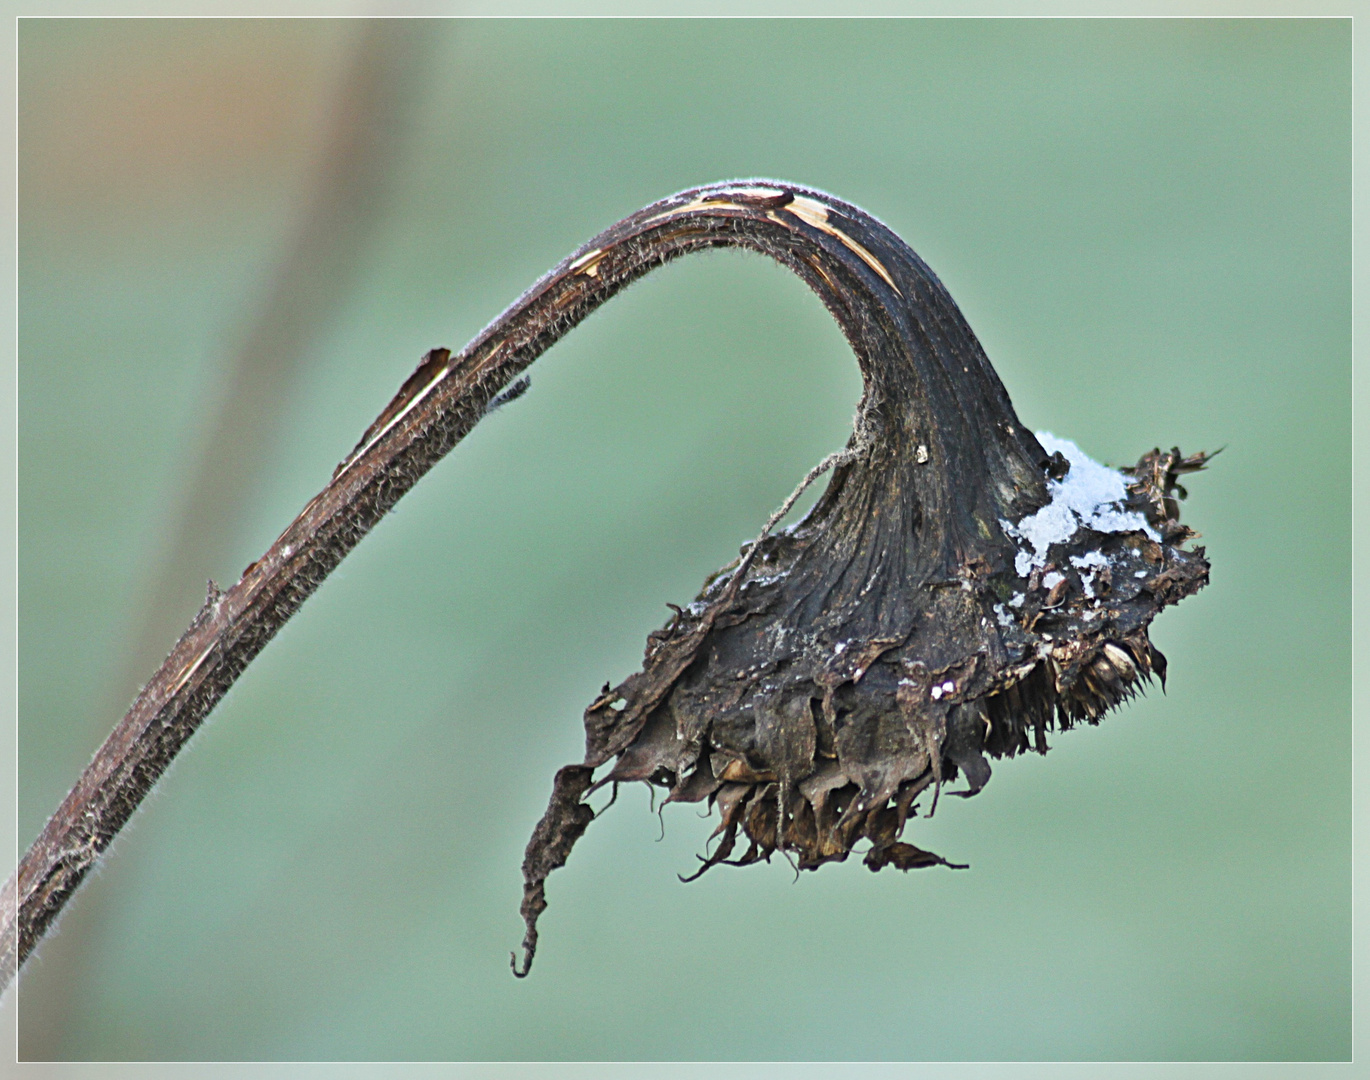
1089,496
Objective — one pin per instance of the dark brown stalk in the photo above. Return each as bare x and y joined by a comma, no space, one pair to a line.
312,282
935,427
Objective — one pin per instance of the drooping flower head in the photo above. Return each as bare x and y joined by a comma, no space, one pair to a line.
961,588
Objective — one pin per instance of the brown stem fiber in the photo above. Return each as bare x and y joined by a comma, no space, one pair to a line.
911,623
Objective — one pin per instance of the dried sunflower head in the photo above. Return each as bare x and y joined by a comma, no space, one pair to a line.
961,588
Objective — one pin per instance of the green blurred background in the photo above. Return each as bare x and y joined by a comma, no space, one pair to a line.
236,240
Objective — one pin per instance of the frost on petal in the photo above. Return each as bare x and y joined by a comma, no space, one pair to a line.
1089,496
1095,559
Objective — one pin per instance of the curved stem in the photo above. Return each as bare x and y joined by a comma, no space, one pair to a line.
873,284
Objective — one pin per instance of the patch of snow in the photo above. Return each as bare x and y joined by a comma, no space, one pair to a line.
1052,580
1090,558
1088,564
1001,613
1089,496
1017,600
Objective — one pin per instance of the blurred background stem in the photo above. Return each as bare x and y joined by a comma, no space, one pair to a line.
373,100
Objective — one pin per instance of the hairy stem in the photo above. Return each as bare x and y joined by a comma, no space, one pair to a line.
438,405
